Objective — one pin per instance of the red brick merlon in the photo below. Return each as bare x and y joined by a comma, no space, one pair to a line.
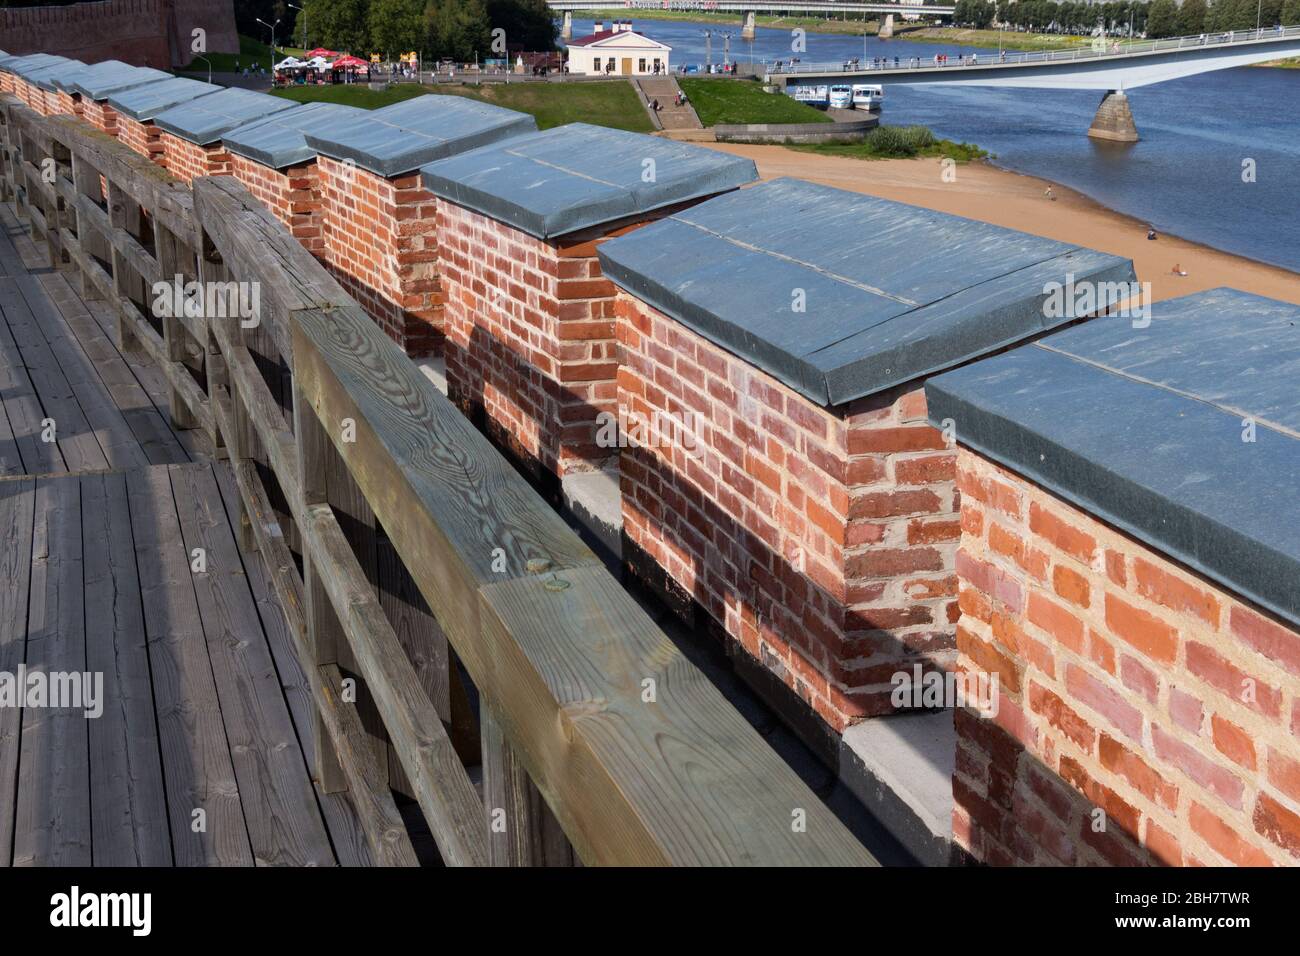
778,470
528,315
192,131
271,157
133,109
1129,567
380,224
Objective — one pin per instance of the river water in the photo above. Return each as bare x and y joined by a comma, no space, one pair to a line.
1185,176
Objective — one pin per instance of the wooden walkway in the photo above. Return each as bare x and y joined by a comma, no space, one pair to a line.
118,556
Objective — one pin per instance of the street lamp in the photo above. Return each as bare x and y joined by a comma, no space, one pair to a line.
271,27
294,6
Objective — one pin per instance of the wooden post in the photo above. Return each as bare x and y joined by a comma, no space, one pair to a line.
324,632
522,831
124,214
85,178
212,269
171,265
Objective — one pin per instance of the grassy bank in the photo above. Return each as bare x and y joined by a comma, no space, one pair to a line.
811,24
743,101
352,94
610,103
898,142
989,39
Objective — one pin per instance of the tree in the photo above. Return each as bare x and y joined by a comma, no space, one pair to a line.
1162,18
529,24
339,24
458,29
1291,13
1191,18
396,26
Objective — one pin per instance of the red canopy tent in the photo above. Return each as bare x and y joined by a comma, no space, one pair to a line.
350,62
320,51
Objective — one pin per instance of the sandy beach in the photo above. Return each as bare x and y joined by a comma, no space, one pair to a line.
984,192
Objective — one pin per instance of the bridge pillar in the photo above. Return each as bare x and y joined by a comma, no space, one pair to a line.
747,26
1114,119
566,33
886,29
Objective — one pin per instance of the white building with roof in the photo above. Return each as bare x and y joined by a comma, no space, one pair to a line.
618,51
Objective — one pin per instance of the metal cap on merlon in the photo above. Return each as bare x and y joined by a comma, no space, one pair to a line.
840,295
143,103
403,137
24,66
1184,433
203,120
98,83
573,177
279,140
46,77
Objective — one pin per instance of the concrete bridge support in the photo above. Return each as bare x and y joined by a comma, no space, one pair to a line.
566,32
1114,119
886,29
747,25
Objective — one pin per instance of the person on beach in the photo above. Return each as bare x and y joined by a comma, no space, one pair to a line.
1151,233
1177,270
1049,194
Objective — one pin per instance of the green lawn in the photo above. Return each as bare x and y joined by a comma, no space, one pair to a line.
743,101
352,94
613,103
250,52
897,142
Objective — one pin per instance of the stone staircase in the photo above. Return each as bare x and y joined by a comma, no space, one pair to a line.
670,118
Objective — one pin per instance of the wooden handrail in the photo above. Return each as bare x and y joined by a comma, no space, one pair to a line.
638,756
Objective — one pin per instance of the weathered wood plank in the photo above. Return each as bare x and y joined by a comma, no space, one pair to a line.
522,831
346,830
368,797
446,796
196,757
638,785
280,809
121,379
93,394
128,806
17,500
52,825
24,411
74,433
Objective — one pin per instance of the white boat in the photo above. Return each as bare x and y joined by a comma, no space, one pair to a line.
868,96
841,97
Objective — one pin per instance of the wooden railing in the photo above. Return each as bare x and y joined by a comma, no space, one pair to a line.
404,550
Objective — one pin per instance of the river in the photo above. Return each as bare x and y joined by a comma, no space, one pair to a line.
1185,176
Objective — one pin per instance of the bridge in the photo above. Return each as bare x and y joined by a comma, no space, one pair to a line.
1109,65
307,581
748,9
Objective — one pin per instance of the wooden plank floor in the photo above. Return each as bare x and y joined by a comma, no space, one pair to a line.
118,557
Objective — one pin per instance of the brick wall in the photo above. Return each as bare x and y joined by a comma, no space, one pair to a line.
28,94
6,82
1129,685
130,30
144,138
530,336
381,243
100,115
823,541
292,194
185,160
66,102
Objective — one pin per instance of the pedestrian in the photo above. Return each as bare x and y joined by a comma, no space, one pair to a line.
1049,194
